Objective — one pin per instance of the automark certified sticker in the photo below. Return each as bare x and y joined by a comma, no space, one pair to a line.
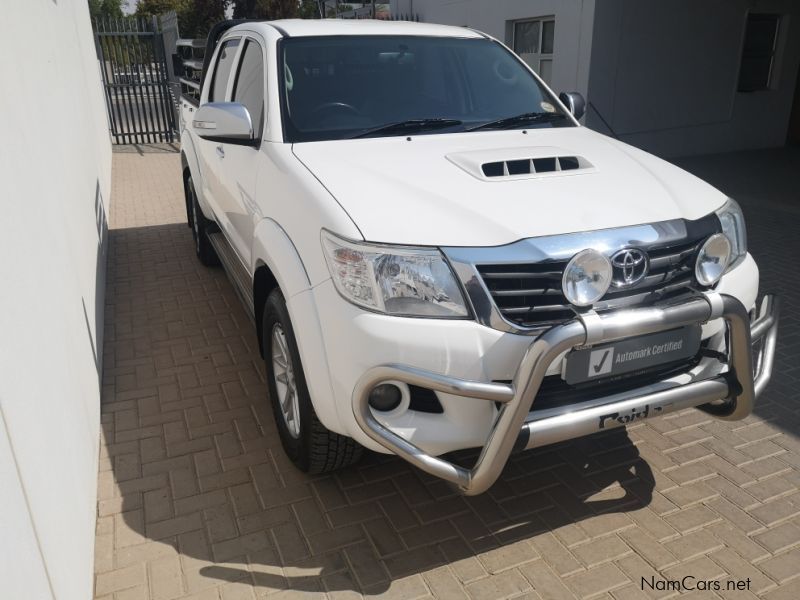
632,354
547,107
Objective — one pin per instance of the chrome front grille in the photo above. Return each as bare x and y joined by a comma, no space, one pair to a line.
516,287
529,294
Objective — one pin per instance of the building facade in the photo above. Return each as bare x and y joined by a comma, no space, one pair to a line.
55,185
674,78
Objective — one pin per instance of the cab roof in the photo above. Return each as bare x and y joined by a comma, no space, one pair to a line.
318,27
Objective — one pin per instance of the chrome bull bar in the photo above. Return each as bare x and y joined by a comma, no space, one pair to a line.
729,395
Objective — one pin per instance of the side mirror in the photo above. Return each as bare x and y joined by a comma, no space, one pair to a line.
575,102
227,122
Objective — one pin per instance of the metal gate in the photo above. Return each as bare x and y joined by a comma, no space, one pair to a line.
141,108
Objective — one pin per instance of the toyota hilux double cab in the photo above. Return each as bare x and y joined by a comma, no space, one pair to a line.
437,256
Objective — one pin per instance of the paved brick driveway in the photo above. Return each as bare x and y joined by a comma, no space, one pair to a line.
196,499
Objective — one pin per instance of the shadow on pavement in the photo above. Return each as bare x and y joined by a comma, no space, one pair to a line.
539,492
197,461
765,183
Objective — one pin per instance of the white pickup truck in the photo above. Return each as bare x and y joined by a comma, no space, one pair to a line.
437,255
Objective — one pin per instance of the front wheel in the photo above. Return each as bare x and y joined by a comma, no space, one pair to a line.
307,442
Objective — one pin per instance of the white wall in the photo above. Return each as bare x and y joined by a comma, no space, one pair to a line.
55,165
664,75
573,30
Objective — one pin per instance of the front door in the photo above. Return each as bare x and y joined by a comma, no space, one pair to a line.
242,163
211,153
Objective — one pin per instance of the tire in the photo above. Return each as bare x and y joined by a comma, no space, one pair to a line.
200,229
306,441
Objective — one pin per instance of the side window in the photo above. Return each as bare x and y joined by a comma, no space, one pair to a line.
248,88
222,70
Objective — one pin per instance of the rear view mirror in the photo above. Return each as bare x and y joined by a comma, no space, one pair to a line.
575,102
227,122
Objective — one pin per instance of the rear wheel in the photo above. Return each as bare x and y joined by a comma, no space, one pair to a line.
308,443
200,229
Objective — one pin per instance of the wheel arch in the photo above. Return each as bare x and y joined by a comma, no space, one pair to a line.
186,172
264,282
276,264
190,167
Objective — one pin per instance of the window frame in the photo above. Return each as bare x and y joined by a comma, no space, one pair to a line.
773,54
235,71
539,56
215,66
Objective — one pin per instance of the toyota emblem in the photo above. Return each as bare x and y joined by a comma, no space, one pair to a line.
630,267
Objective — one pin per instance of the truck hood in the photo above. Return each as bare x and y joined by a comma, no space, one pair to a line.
431,190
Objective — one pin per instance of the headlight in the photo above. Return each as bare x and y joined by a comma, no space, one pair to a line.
713,259
413,282
732,220
586,278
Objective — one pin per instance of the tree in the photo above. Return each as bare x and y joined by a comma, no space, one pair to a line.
309,9
99,9
200,16
275,9
150,8
243,9
195,17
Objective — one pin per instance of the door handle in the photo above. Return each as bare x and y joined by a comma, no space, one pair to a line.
220,152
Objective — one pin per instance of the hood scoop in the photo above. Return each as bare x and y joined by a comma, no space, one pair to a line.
520,163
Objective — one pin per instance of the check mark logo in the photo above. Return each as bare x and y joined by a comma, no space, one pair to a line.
599,366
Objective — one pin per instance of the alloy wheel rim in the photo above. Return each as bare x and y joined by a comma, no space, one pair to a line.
285,386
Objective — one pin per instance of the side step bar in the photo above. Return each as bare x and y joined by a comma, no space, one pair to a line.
235,270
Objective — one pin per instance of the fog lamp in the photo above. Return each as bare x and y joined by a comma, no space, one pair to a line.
586,278
713,259
385,397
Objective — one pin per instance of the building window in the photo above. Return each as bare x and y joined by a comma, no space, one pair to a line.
758,52
533,42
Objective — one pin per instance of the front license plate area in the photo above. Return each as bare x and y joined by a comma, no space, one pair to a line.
632,354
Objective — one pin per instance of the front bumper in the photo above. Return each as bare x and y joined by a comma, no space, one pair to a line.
729,395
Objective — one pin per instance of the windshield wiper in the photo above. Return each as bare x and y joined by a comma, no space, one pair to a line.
507,122
407,126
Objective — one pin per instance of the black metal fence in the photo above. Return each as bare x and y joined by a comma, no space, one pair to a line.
168,26
141,106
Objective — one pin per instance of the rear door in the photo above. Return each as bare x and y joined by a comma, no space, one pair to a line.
242,164
211,153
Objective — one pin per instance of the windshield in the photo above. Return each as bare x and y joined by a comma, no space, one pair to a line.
369,86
